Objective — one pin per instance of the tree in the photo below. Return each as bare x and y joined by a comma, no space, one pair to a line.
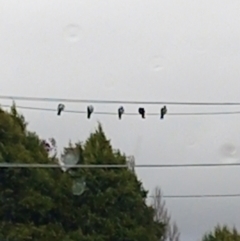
28,196
40,205
171,232
116,201
222,233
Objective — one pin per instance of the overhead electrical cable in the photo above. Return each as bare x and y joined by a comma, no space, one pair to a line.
40,165
127,113
189,196
231,195
98,101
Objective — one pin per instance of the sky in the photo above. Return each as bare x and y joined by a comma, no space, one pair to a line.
145,50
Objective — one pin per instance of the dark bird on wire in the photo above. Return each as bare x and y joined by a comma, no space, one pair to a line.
89,111
141,111
163,112
60,108
120,112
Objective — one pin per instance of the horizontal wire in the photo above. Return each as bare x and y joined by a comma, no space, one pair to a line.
235,195
18,165
187,165
133,114
40,165
117,166
43,99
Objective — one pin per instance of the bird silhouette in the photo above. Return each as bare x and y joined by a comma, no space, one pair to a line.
89,111
120,112
163,111
61,107
141,111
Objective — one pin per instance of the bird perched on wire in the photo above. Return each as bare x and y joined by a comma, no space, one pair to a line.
141,111
120,112
163,111
60,108
90,110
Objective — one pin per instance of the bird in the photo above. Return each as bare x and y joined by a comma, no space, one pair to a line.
163,111
89,111
141,111
120,112
60,108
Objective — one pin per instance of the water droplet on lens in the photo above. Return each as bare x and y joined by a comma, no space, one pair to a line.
70,158
191,142
229,153
191,139
78,186
158,67
228,150
158,63
72,32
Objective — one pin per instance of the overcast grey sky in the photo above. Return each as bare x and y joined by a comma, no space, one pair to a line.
137,50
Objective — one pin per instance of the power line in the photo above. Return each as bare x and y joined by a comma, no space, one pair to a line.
187,165
236,195
129,113
36,165
40,165
21,165
45,99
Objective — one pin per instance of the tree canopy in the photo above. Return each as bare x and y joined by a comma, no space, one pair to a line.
222,233
40,205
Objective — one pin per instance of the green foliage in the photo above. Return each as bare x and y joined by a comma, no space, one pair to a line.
39,205
222,233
